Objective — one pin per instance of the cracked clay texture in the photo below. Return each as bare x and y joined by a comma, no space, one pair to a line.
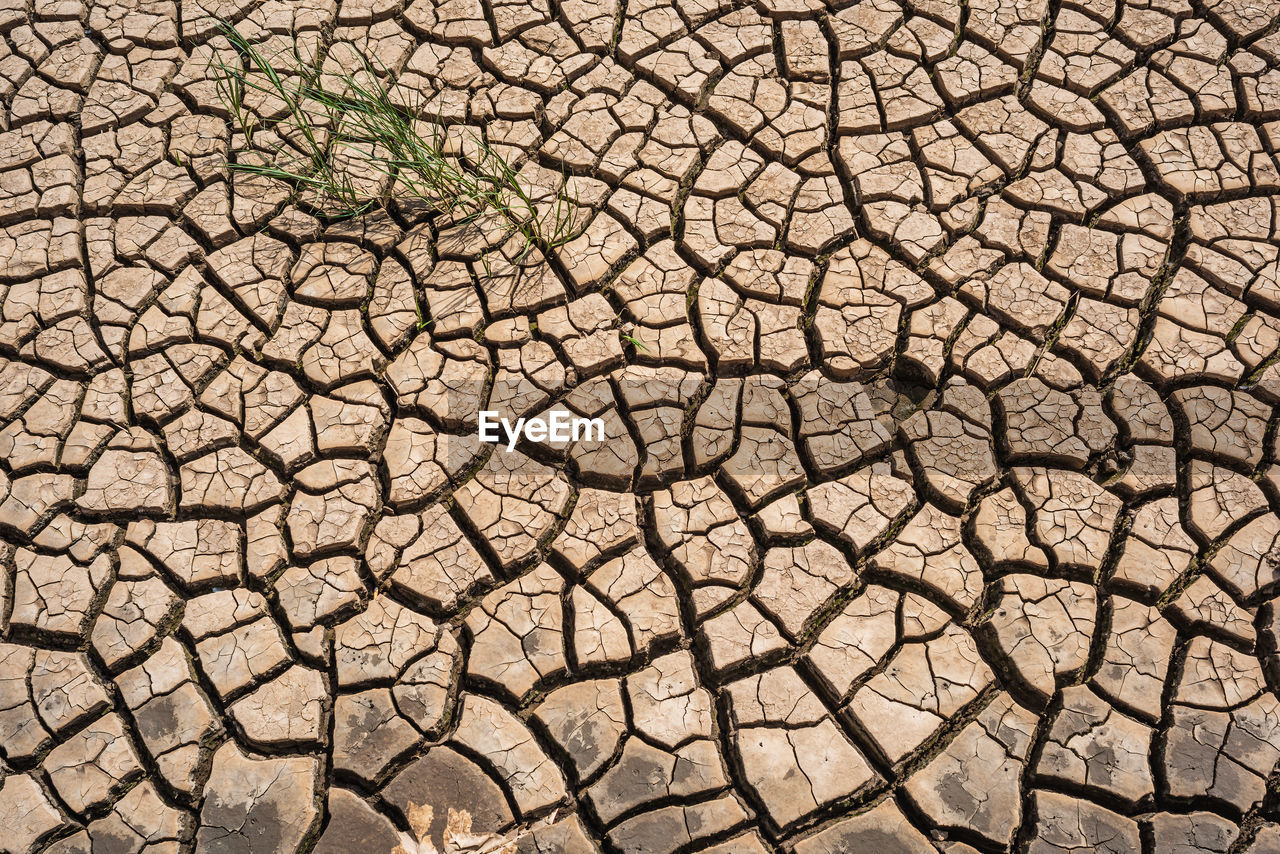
937,351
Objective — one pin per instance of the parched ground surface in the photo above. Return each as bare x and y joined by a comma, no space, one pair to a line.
937,506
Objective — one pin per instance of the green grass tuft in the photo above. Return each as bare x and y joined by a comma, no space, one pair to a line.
349,143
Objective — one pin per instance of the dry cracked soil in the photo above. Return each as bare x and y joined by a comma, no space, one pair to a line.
937,349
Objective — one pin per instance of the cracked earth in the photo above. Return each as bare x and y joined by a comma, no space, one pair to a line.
937,505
